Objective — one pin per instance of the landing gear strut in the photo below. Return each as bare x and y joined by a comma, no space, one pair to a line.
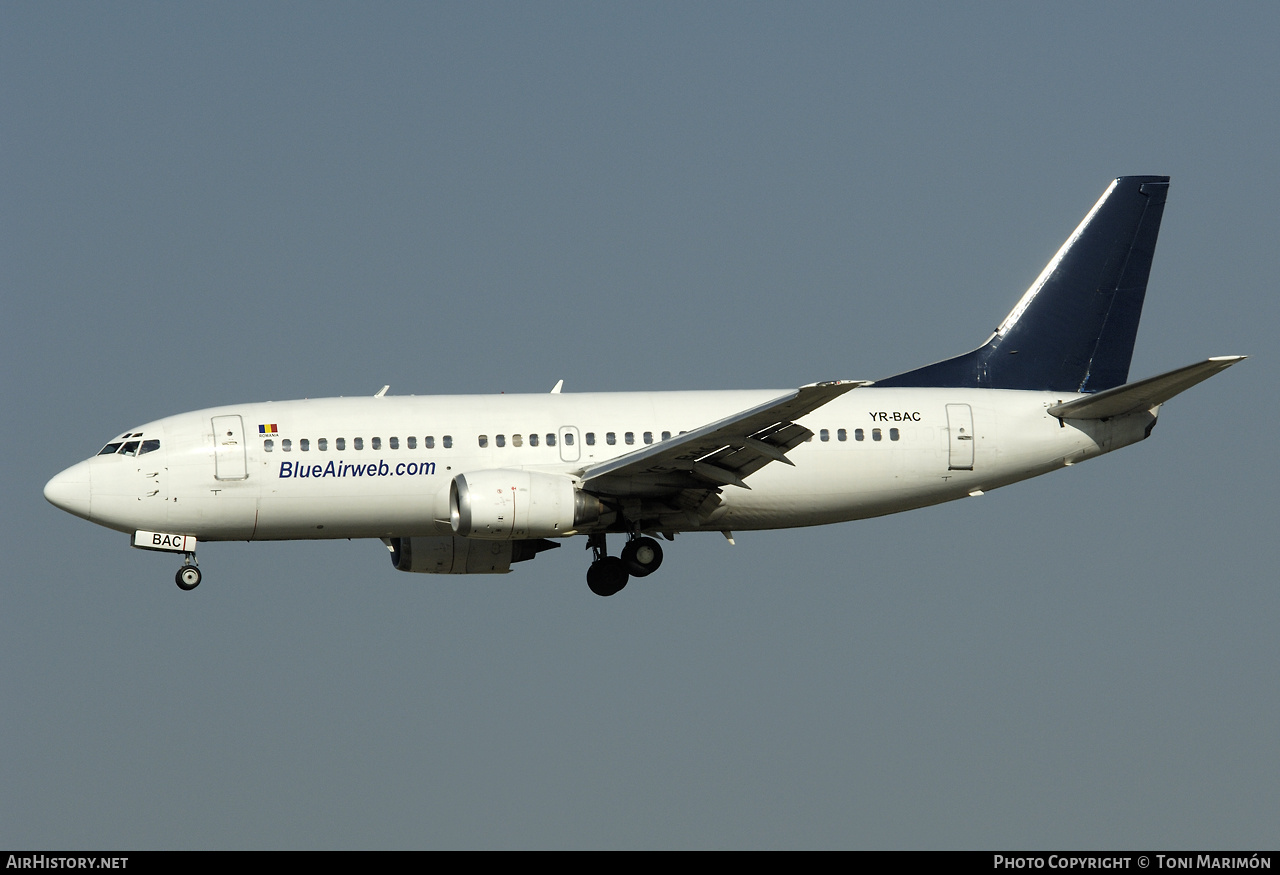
607,574
188,576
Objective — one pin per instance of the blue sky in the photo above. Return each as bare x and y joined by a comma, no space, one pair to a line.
241,202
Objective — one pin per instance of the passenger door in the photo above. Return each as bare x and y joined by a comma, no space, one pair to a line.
228,448
960,437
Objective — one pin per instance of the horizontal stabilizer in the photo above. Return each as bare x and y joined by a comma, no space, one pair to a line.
1144,394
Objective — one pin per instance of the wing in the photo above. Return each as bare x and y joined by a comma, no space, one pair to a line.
687,472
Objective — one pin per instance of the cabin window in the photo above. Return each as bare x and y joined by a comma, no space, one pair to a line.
666,435
411,442
448,441
824,435
500,440
610,438
357,443
648,437
859,434
304,445
568,438
322,444
841,434
339,443
533,440
591,438
629,438
484,440
394,443
286,445
430,442
875,434
109,449
551,438
268,445
149,446
375,443
517,440
130,449
893,434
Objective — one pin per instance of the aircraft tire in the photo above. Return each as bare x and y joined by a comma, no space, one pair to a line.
187,578
607,576
642,557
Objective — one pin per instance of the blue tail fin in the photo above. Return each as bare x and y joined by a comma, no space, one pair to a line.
1073,330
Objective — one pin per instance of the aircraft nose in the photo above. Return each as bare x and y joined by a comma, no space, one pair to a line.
70,490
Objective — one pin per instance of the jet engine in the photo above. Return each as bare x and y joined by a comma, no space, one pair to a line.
506,504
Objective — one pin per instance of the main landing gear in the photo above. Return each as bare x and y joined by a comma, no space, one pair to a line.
188,576
609,574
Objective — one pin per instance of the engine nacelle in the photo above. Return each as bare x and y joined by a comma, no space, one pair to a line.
505,504
454,555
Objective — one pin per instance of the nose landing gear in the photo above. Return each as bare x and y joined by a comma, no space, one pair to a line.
188,576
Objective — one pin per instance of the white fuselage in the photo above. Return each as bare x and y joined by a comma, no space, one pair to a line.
381,467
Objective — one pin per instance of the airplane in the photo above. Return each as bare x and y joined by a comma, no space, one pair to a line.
475,484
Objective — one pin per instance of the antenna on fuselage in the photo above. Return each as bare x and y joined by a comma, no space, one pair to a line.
382,391
558,386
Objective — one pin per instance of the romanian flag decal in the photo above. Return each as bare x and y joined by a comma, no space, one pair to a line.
267,430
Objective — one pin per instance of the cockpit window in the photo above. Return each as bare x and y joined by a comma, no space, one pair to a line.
126,447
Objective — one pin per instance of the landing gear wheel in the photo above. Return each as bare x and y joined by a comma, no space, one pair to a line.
607,576
642,557
187,578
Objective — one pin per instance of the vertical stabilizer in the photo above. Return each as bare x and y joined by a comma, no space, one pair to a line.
1074,329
